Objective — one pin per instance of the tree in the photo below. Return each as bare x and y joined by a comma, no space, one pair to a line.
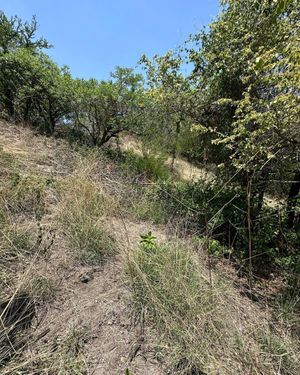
248,72
14,33
33,89
169,105
102,110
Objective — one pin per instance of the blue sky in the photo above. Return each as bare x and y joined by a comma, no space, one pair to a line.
93,36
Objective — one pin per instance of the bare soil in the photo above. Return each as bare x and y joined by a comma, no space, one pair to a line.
99,306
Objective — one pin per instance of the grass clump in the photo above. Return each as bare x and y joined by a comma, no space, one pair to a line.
147,165
204,327
16,241
145,205
82,217
25,194
42,289
64,355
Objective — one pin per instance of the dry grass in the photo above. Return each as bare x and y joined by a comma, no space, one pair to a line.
63,356
204,328
82,215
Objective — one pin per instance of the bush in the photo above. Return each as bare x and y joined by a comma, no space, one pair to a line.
152,167
220,212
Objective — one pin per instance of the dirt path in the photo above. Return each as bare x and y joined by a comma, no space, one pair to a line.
100,308
185,170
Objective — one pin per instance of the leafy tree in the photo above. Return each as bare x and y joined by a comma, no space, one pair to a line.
14,33
248,72
169,98
102,110
33,88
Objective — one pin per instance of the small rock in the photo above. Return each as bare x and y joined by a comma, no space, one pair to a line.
86,277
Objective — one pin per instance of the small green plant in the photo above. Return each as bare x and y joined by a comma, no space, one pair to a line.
148,241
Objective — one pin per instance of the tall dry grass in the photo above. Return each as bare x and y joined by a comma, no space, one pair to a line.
82,215
204,328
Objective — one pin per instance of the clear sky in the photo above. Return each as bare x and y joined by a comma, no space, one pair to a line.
93,36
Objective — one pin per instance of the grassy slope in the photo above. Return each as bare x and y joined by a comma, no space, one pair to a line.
67,216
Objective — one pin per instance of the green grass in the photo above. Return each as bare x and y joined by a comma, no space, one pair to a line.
42,289
62,356
25,194
149,166
145,205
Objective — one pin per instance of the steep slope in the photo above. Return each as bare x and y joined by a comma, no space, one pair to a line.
90,300
67,239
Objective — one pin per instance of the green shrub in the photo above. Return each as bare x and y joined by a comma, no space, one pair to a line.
150,166
220,212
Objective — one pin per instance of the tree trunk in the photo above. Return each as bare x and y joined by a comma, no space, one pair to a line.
174,151
263,183
292,199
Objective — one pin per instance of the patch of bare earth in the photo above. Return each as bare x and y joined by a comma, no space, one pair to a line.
184,169
95,300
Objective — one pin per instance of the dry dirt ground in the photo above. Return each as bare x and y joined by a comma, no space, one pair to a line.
101,306
185,170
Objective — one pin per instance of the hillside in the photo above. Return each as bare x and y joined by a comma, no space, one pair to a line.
150,221
86,300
